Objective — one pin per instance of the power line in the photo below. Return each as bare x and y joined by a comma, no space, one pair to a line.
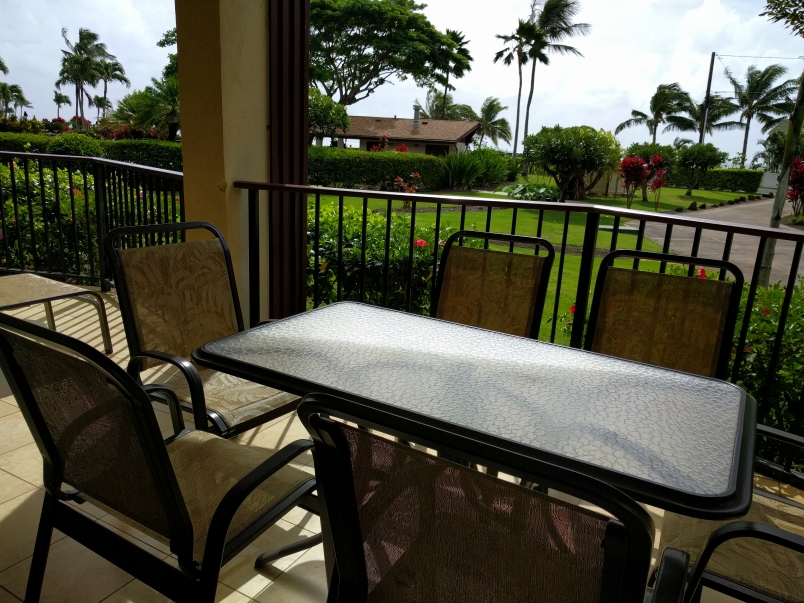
744,56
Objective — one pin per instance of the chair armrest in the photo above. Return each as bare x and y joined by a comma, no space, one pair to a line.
671,577
190,374
176,416
740,529
219,526
782,436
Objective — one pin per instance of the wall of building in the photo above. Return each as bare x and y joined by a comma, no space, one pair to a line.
413,147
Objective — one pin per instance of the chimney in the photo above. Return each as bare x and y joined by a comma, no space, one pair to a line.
416,116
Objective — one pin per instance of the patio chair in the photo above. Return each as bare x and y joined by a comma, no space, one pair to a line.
409,526
676,322
494,290
176,297
204,496
760,558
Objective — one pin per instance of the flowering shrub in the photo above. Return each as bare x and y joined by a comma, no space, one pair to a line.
634,172
77,122
21,126
378,148
795,194
656,186
55,126
403,148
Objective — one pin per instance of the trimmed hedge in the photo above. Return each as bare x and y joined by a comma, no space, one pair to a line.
39,143
349,168
153,153
76,145
732,180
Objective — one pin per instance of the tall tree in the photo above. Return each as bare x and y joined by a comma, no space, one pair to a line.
79,64
516,49
19,100
110,71
158,107
356,46
692,119
554,20
3,67
326,117
668,100
102,104
7,94
439,106
458,65
169,38
760,97
491,124
60,99
791,13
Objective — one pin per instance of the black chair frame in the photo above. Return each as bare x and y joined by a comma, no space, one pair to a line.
202,416
544,281
731,314
189,582
628,541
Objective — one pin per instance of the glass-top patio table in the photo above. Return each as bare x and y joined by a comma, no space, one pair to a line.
675,440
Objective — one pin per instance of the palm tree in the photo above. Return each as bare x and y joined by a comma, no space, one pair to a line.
102,104
459,64
681,143
60,99
7,92
159,107
761,98
445,107
668,100
79,65
110,71
516,49
491,124
693,119
3,67
19,100
554,22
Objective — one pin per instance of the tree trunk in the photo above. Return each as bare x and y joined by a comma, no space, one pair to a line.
58,108
444,104
518,107
645,191
173,130
790,148
655,130
105,83
525,169
745,141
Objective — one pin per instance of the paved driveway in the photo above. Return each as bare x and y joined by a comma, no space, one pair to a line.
744,248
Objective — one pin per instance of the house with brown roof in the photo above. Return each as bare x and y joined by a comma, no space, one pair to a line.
420,135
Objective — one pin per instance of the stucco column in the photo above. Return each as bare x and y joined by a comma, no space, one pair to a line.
223,79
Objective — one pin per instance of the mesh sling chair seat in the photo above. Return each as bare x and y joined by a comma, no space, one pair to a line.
413,527
175,297
494,290
671,321
204,496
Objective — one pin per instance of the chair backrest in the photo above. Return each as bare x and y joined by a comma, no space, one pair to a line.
410,526
94,427
495,290
676,322
174,297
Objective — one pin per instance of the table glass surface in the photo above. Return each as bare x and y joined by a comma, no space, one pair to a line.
670,428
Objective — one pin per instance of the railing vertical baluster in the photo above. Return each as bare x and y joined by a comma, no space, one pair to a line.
726,253
45,220
88,221
100,175
363,242
15,201
749,305
136,178
387,257
317,252
539,228
339,292
410,255
253,257
59,218
513,229
584,278
26,166
463,223
152,208
182,210
696,244
7,256
71,183
175,211
639,241
488,227
615,233
436,247
560,276
668,234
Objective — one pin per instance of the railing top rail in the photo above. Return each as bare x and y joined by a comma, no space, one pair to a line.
783,234
82,159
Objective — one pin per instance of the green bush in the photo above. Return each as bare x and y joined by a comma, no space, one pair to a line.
732,180
33,143
350,168
75,144
463,169
523,191
494,166
21,126
153,153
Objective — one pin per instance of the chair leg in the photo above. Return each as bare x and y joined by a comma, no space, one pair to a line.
41,550
100,306
302,545
51,320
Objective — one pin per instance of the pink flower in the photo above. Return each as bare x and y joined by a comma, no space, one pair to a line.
420,243
701,272
572,309
441,242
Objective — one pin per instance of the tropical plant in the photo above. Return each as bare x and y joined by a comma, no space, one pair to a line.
553,20
437,106
634,173
668,100
326,116
159,108
8,92
528,191
169,38
3,67
695,114
356,46
79,65
19,100
795,194
457,65
696,160
577,157
60,99
679,143
463,169
789,12
102,104
109,71
516,50
656,186
760,97
493,126
648,150
493,166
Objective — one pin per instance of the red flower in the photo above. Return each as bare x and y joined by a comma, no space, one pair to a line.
572,309
701,272
420,243
767,312
403,148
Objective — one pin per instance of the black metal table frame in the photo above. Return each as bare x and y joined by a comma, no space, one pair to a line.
733,503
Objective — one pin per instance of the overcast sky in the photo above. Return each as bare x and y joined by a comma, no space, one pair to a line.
634,46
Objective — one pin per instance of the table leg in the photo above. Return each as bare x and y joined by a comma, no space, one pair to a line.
100,306
51,320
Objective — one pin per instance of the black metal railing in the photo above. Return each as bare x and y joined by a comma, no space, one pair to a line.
56,210
383,248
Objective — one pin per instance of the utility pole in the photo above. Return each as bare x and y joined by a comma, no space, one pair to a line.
702,133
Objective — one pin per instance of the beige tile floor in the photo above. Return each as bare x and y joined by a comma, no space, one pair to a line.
75,574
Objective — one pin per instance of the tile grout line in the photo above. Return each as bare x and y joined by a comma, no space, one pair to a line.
13,596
